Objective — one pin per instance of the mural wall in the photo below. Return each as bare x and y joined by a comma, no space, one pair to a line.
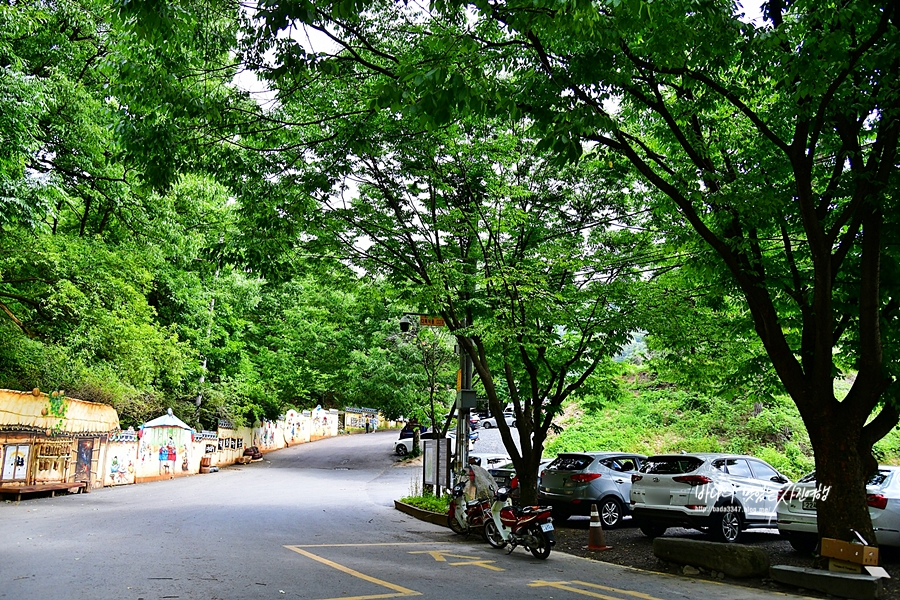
122,458
162,448
165,452
324,423
296,427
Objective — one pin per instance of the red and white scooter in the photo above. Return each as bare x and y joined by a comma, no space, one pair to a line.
527,526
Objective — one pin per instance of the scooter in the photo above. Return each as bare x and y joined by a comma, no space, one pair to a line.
527,526
465,515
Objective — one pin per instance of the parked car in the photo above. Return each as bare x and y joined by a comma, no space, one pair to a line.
505,475
403,446
723,494
509,417
575,480
474,419
408,431
487,461
796,510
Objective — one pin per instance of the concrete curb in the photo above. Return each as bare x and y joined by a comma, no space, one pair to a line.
735,560
423,515
844,585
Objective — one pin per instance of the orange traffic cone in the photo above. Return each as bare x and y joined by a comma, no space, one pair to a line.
596,538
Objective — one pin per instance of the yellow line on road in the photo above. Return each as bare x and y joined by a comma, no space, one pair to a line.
441,556
486,564
474,561
564,585
364,545
400,590
612,589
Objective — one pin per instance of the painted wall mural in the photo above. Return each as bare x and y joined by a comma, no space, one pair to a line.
166,448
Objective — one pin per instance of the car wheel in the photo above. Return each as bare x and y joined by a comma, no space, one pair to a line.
805,543
652,530
401,450
610,513
561,513
485,425
728,524
493,535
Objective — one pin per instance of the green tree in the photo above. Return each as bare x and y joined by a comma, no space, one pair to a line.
472,223
773,144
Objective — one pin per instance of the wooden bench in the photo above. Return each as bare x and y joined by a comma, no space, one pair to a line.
18,490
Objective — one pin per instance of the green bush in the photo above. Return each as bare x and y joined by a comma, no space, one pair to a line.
652,416
429,502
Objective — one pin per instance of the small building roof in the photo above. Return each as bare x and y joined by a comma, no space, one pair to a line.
36,411
167,420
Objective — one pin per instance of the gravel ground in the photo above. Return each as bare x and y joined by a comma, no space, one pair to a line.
631,548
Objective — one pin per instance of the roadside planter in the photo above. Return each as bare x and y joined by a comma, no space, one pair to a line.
422,514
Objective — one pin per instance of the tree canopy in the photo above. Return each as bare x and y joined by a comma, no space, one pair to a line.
771,144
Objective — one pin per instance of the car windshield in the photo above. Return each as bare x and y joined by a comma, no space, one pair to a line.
877,479
570,462
671,465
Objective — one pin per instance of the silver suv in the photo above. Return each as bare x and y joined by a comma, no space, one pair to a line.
574,481
722,494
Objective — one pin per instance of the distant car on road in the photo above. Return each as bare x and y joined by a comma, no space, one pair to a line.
403,446
509,417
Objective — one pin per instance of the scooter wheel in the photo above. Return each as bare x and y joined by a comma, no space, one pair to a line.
493,536
456,526
542,549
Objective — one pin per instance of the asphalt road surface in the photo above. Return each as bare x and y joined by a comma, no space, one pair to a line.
314,522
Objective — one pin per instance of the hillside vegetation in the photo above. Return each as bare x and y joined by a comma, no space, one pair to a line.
637,411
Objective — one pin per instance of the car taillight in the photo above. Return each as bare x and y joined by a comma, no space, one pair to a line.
636,477
692,480
877,501
787,495
585,477
514,482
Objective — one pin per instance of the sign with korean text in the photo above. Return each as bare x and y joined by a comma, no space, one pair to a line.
428,321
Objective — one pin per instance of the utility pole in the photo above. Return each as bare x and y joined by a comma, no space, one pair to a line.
465,402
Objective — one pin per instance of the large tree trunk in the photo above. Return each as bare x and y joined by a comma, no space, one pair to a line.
841,473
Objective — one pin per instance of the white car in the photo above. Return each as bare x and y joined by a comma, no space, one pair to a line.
403,446
489,422
797,509
488,461
722,494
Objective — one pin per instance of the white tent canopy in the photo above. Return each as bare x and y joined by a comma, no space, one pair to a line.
167,420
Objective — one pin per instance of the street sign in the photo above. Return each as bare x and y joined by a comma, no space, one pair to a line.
427,321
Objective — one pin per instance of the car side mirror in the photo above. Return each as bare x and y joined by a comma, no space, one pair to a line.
779,479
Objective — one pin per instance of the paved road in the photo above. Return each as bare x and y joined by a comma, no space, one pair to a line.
311,522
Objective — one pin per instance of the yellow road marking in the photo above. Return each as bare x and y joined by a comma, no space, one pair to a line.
486,564
400,591
474,561
564,585
439,555
612,589
364,545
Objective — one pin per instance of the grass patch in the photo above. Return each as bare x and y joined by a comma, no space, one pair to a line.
429,502
651,416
